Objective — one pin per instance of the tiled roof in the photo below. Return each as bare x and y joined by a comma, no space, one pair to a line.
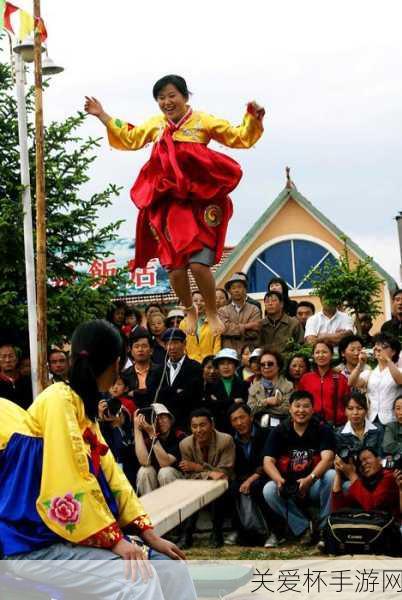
170,297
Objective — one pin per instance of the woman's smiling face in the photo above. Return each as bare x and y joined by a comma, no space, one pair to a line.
172,103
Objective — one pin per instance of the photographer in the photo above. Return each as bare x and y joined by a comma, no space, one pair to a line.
298,458
372,487
156,444
116,427
384,383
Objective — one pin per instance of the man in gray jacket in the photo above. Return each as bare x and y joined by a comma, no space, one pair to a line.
242,319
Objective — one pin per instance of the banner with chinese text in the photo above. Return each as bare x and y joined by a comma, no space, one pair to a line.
153,279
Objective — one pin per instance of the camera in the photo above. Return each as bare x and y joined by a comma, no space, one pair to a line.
149,414
394,462
345,454
290,490
113,406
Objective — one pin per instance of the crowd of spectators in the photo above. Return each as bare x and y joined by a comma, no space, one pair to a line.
299,409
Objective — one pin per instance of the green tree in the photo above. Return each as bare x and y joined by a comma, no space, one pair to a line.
353,286
73,233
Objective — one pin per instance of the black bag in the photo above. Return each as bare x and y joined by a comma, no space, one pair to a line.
252,521
354,531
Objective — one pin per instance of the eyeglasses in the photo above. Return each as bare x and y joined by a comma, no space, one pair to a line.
267,364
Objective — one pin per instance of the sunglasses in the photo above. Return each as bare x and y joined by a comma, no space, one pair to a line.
267,364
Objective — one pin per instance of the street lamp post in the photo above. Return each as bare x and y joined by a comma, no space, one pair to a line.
398,219
24,53
27,217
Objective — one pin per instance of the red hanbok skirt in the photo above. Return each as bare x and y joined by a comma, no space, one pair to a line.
182,195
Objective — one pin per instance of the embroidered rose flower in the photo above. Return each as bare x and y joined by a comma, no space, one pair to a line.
65,510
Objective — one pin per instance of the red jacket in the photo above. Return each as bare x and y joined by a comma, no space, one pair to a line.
329,394
385,496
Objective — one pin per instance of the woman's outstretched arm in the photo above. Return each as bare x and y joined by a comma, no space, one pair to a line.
93,107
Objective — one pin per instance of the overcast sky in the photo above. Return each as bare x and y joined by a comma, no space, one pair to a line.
328,73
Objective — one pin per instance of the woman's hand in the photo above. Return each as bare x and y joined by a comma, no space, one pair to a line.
163,546
138,420
93,107
257,110
147,427
398,478
136,558
347,468
383,357
362,359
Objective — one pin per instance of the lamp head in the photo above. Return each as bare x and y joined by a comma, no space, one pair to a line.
49,67
26,49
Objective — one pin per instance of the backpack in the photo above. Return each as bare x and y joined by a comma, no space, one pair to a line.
355,531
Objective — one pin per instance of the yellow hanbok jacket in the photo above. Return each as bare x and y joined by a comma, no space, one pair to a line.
199,127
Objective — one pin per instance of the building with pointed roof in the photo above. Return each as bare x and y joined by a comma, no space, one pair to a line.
289,239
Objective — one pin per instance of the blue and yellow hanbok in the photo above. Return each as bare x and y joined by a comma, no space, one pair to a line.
58,479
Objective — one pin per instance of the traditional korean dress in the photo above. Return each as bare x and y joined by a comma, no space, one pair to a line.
182,191
58,480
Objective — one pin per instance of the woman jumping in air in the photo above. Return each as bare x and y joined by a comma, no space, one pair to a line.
182,191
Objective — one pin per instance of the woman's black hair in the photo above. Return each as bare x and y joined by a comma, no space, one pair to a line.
348,339
244,348
154,305
224,292
207,359
176,80
285,287
115,306
136,312
95,346
393,343
359,398
304,359
327,344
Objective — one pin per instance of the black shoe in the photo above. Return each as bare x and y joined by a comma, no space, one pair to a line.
216,539
306,538
185,541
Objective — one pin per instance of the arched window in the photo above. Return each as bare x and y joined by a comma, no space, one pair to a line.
292,260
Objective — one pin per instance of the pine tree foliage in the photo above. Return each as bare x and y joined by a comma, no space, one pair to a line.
74,235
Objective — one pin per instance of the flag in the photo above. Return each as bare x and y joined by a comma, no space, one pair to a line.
40,28
26,24
2,6
8,11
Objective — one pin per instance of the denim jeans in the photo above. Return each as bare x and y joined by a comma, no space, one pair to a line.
319,493
100,572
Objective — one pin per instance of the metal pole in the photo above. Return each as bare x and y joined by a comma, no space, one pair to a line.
398,219
41,278
27,216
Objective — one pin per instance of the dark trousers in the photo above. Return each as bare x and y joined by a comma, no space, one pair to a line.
256,491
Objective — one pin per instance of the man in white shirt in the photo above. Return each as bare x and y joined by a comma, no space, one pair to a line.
329,325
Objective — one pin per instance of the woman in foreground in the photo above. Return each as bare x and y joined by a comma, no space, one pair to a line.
63,497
